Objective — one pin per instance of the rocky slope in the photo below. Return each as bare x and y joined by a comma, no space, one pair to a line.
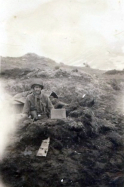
87,148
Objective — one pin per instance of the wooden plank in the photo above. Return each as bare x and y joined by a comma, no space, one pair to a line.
43,150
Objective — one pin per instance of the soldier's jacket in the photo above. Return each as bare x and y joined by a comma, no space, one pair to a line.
41,104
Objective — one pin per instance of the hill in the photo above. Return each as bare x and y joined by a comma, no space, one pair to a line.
86,149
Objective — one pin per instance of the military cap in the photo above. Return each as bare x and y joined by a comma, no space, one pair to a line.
37,82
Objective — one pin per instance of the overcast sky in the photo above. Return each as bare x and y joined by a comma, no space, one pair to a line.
69,31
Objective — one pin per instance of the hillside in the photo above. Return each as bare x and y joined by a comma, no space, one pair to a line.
29,60
86,149
33,61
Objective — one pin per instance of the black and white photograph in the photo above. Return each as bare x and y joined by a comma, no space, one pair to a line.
62,93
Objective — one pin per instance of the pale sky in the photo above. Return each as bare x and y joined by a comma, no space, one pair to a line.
70,31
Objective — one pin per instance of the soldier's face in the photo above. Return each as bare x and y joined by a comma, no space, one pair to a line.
53,100
37,89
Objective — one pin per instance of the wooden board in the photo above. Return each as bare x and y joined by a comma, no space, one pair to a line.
58,113
43,150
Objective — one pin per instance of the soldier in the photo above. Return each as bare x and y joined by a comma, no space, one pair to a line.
55,101
37,104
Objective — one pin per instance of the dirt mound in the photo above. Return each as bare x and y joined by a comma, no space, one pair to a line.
85,150
80,154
